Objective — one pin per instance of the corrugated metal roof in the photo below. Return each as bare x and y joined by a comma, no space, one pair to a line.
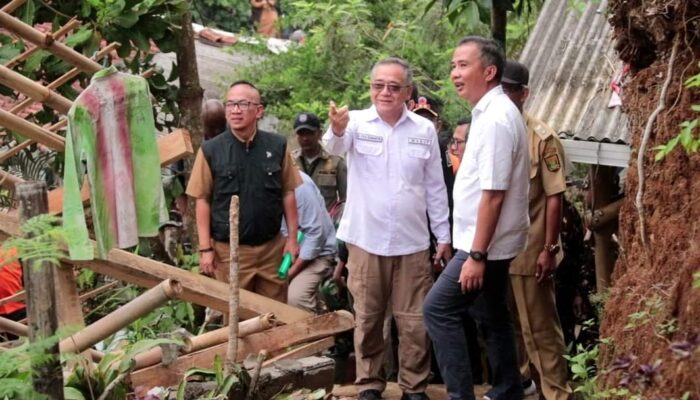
572,63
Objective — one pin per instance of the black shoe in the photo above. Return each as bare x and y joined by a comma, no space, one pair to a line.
414,396
370,394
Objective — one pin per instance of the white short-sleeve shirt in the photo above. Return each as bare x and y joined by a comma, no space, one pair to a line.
496,158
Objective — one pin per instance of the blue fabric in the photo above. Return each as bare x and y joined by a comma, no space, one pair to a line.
443,312
314,221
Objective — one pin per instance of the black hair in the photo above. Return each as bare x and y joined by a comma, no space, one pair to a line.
491,53
250,84
464,121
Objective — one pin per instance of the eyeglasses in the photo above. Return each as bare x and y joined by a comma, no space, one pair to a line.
512,88
457,141
243,105
392,87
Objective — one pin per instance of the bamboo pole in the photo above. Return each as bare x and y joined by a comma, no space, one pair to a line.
123,316
99,291
7,180
9,153
215,337
34,90
232,349
16,328
17,297
70,25
37,133
13,5
262,355
46,41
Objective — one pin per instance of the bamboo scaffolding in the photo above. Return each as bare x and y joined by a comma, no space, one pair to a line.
34,90
234,291
13,5
215,337
8,181
17,297
46,41
34,132
70,25
123,316
16,149
15,328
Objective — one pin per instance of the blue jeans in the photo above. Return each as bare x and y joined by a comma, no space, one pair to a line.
443,312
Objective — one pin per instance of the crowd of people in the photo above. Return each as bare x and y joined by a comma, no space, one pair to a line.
437,237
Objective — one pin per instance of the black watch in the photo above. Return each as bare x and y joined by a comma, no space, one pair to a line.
478,256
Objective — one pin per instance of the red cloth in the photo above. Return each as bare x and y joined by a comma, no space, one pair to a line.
10,282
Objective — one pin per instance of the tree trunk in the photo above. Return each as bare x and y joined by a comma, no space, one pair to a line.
47,376
499,20
190,104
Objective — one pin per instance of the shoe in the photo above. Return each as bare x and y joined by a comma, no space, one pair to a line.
370,394
414,396
529,387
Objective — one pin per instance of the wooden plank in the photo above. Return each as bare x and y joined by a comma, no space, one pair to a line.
272,340
171,147
70,312
305,350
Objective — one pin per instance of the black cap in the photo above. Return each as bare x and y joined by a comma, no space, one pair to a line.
306,121
515,73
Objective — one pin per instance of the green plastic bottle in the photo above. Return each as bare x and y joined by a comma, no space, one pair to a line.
283,270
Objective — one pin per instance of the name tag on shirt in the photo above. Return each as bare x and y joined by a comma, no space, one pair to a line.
370,138
425,142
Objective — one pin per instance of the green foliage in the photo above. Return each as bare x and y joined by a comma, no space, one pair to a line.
224,383
342,44
584,370
696,279
16,371
228,15
42,240
688,138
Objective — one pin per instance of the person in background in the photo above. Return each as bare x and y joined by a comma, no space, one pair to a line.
257,166
537,327
318,249
265,17
10,284
213,118
490,228
328,172
458,142
394,176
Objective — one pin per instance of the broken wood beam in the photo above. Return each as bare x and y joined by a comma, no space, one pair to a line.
273,340
305,350
196,343
121,317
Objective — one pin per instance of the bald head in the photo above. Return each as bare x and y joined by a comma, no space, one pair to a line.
213,118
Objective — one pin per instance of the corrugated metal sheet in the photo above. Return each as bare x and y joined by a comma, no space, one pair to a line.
572,63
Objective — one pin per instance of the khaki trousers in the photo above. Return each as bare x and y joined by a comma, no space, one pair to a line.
539,336
257,267
303,289
404,281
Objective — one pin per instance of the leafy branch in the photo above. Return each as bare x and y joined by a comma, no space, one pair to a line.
687,138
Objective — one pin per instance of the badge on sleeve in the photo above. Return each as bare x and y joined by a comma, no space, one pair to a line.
551,159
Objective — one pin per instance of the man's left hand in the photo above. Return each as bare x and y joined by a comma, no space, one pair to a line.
295,269
546,266
442,253
292,247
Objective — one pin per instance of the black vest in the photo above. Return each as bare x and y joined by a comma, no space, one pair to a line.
253,171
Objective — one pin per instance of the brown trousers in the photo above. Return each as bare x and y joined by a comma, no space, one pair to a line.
303,289
539,336
404,281
257,267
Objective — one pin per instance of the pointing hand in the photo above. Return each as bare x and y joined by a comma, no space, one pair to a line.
339,118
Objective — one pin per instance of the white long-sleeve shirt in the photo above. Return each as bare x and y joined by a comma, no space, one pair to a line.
395,183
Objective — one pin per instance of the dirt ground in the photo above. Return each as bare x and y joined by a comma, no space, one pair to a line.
651,317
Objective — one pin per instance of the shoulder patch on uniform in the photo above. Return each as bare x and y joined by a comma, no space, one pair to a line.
551,160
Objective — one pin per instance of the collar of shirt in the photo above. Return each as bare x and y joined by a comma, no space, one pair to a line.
485,100
240,139
371,114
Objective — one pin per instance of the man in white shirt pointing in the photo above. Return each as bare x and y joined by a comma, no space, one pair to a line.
395,191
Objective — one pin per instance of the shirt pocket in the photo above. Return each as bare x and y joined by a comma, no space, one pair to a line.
226,181
414,159
369,158
326,179
272,177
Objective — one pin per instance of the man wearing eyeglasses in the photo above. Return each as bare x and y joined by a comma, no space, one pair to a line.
394,176
257,166
458,142
538,329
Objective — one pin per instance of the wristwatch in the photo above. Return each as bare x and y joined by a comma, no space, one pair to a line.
478,256
552,249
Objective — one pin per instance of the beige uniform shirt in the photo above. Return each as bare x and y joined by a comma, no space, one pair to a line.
328,172
547,178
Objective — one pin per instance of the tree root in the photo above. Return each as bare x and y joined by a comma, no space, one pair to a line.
645,139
